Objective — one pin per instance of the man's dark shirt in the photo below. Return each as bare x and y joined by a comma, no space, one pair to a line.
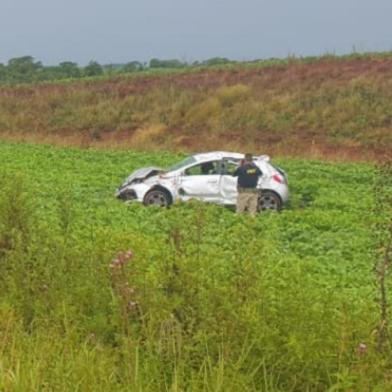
248,175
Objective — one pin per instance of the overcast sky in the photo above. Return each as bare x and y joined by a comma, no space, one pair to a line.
119,31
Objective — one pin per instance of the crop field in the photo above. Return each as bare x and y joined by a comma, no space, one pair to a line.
98,295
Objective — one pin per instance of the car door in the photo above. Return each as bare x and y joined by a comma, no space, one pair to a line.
201,181
228,183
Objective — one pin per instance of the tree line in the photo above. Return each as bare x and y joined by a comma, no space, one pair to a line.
27,69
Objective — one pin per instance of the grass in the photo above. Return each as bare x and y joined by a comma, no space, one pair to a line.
207,301
332,106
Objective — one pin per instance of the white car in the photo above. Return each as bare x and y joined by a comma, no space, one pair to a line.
207,177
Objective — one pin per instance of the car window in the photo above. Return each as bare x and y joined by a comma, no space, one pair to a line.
229,167
202,169
181,164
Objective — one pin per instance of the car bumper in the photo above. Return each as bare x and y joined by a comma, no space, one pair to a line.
126,194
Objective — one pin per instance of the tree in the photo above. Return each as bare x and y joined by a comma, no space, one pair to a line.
93,69
69,69
3,72
216,61
24,68
155,63
173,63
132,66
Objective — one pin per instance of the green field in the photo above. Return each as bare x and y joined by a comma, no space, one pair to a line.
209,301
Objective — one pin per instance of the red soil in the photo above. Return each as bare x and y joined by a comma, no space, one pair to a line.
304,143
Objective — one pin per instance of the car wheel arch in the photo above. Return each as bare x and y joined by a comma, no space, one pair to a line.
274,194
162,189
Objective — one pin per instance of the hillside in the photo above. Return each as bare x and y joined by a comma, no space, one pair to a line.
330,107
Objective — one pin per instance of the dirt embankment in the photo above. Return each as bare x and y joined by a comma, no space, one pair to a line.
336,109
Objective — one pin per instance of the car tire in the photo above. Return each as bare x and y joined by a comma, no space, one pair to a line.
157,197
269,200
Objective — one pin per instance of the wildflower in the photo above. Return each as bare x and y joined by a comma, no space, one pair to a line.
121,259
132,305
361,349
91,336
115,263
128,291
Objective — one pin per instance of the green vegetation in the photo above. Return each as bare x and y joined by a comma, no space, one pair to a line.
26,69
208,301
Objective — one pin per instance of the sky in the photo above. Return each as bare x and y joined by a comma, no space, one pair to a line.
119,31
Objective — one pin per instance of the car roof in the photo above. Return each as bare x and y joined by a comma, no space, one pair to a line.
206,156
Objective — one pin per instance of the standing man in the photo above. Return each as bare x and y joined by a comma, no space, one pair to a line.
248,176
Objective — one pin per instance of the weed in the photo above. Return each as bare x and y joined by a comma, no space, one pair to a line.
206,300
342,104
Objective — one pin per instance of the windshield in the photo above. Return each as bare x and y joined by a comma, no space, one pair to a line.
182,164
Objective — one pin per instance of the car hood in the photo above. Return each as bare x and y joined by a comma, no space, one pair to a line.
142,174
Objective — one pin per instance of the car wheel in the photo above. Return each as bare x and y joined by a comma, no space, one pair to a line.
269,200
157,197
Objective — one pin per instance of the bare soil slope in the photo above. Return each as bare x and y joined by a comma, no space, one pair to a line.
339,108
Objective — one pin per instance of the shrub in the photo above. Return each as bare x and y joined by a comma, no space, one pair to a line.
229,96
150,136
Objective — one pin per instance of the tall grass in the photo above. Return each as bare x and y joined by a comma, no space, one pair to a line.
205,300
334,103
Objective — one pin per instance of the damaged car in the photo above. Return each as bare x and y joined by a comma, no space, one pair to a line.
207,177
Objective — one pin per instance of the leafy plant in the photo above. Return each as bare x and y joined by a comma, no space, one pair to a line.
207,300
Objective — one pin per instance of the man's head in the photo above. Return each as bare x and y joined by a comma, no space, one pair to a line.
248,158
